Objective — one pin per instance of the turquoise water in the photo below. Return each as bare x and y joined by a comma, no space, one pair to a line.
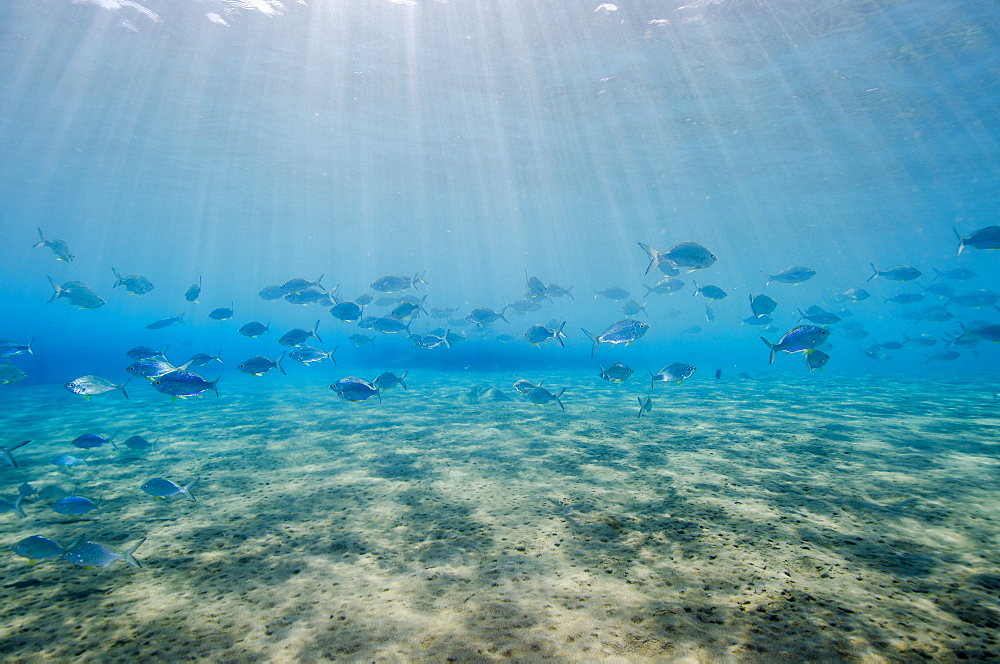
758,512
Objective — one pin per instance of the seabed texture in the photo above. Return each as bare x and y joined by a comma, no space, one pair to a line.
820,520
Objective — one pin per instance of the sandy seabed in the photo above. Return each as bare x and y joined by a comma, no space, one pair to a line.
820,520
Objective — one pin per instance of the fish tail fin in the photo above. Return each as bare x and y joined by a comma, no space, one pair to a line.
640,406
415,280
187,489
653,258
118,278
446,343
314,332
502,311
317,282
41,239
594,339
9,457
218,355
939,273
129,554
773,347
57,290
277,362
801,315
560,335
180,319
695,293
17,507
121,388
648,290
330,355
558,401
929,358
570,294
420,307
874,272
215,386
404,376
961,240
31,352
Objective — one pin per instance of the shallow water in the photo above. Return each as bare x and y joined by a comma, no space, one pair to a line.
742,520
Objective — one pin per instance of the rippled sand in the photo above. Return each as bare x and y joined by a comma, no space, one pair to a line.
825,519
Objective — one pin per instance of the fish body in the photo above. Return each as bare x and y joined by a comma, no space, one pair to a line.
387,325
537,334
762,305
665,286
906,298
193,292
91,554
161,488
631,308
308,296
976,299
427,341
645,405
816,359
67,461
623,332
10,348
166,322
688,256
944,356
76,293
818,316
222,313
272,293
153,367
540,396
795,274
935,315
346,311
299,284
988,332
364,299
482,316
258,365
676,372
896,273
91,441
984,238
355,389
59,247
309,354
15,507
297,336
799,338
133,283
88,386
391,283
443,312
407,309
534,288
139,444
711,292
525,306
37,548
388,379
524,386
253,329
555,290
10,373
76,506
360,340
616,373
201,359
613,293
143,352
183,384
958,274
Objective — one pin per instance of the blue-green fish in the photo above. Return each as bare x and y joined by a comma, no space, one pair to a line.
665,286
67,461
555,290
10,348
623,332
37,548
297,336
347,311
675,372
944,356
816,359
711,292
183,384
795,274
984,238
482,316
616,373
689,256
612,293
76,505
406,309
258,365
387,325
91,554
391,283
253,329
525,386
5,452
976,299
958,274
428,341
762,305
88,386
58,247
90,441
144,352
153,367
299,284
896,273
799,338
222,313
76,293
272,293
537,334
355,389
139,443
161,488
309,354
816,315
360,340
165,322
133,283
388,379
193,292
540,396
201,359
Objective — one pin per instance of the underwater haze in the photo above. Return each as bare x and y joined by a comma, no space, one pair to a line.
655,330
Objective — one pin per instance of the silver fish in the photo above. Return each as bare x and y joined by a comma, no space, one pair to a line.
896,273
201,359
76,293
88,386
537,334
183,384
161,488
482,316
645,405
762,305
355,389
10,373
10,348
623,332
675,372
91,554
795,274
309,354
616,373
799,338
540,396
58,247
222,313
133,283
816,359
297,336
388,379
193,291
711,292
984,238
37,548
258,365
612,293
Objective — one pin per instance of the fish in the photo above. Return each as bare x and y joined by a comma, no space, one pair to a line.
935,315
655,257
795,274
675,372
688,255
524,306
525,386
36,548
762,305
818,316
896,273
299,284
193,292
10,373
308,296
10,348
91,441
183,384
905,298
505,338
443,312
711,292
482,316
139,444
201,359
133,283
645,405
392,284
616,372
166,322
77,506
763,320
631,308
940,289
15,507
555,290
799,338
540,396
5,452
924,340
89,554
347,311
987,331
67,461
612,293
976,299
428,341
718,374
944,356
297,336
253,329
852,295
153,367
387,379
25,490
354,389
984,238
52,492
406,309
534,287
958,274
76,293
143,352
623,332
666,286
387,325
272,293
308,354
161,488
222,313
258,365
816,359
88,386
360,340
59,247
364,299
537,334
